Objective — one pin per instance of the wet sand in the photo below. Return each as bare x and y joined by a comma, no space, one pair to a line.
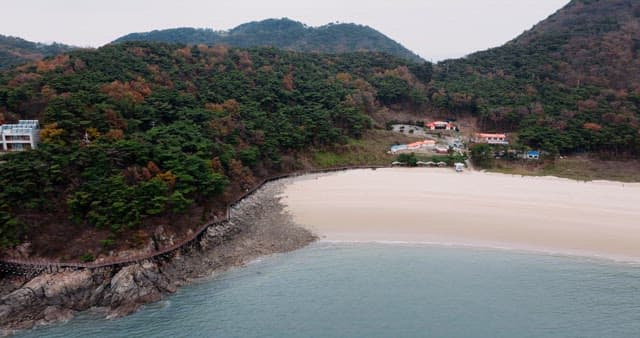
440,206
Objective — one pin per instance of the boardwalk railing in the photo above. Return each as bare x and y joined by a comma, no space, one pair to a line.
46,264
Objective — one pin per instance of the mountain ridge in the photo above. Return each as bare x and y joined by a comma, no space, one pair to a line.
577,34
15,50
285,34
567,85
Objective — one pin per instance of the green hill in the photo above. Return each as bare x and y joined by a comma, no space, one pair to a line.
14,51
138,135
570,84
284,34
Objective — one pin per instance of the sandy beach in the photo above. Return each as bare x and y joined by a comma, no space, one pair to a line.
440,206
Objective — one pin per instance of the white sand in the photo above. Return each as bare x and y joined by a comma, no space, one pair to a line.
472,208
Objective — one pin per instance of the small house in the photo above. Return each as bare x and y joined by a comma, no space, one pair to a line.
397,148
491,138
421,145
426,144
440,125
442,150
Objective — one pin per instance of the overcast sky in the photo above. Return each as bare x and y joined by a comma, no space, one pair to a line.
435,29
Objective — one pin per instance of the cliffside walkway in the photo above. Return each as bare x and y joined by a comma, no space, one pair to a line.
9,265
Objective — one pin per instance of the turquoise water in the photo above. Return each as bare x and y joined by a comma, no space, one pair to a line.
378,290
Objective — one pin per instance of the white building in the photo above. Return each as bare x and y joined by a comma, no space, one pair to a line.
426,144
21,136
492,138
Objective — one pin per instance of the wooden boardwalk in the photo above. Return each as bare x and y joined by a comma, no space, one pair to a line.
9,265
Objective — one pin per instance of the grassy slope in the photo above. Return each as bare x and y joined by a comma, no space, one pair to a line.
371,149
577,168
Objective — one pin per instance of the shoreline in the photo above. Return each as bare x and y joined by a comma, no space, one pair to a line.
578,256
261,225
545,215
258,227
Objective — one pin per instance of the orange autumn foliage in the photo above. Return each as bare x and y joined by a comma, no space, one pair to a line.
244,61
185,52
218,53
114,134
114,119
137,51
51,64
343,77
160,77
47,92
93,133
22,78
216,165
230,106
592,126
168,177
287,82
153,168
241,174
50,133
135,90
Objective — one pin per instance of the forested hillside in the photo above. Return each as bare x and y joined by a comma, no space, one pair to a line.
14,51
285,34
568,85
142,135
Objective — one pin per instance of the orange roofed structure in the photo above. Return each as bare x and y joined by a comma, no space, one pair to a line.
440,125
421,144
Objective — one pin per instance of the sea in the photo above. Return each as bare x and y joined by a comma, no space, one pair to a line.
390,290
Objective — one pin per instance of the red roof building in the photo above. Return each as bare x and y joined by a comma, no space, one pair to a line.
421,144
491,138
440,125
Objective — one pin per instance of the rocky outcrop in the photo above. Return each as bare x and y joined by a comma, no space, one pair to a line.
48,297
258,226
53,297
133,286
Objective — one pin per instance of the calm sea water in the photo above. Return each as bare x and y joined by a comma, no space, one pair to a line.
378,290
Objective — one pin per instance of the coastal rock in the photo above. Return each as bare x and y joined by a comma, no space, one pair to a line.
17,309
20,298
53,314
138,283
216,235
49,297
72,289
9,284
4,310
258,226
